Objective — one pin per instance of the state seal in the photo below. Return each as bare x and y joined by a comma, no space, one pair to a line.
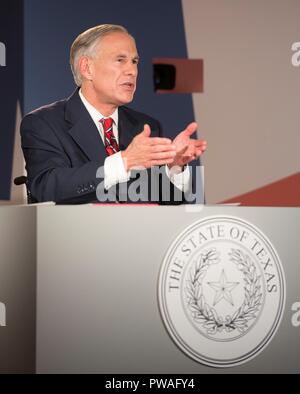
222,291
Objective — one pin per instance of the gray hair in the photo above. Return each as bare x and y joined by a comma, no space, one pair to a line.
86,44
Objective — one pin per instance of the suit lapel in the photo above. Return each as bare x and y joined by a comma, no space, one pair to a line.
84,131
128,128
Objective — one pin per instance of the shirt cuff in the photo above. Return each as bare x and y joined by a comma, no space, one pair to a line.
180,179
114,171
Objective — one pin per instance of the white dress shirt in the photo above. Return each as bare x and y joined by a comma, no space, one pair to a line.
114,169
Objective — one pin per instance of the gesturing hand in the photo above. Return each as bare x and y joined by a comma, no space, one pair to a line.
187,149
147,152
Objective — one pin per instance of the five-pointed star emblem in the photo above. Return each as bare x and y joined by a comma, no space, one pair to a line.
223,289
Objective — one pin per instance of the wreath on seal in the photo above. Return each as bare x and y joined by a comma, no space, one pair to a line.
206,315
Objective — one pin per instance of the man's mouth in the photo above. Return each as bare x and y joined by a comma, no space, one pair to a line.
128,85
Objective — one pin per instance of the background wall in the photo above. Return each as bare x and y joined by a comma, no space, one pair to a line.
249,109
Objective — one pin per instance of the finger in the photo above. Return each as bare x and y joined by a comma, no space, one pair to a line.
161,162
200,143
147,131
200,152
163,148
163,156
191,129
188,158
160,141
199,149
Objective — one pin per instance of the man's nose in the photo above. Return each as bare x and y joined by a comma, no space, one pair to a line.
131,69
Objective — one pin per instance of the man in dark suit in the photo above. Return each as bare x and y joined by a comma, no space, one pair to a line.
66,144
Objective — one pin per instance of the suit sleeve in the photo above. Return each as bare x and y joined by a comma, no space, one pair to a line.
50,174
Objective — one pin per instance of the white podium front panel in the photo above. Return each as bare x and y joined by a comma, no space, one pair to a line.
97,289
17,289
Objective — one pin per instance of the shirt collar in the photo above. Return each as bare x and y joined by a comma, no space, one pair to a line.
95,114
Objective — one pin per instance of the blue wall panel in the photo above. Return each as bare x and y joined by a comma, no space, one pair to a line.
52,25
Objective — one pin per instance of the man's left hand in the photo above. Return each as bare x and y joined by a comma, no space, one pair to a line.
187,149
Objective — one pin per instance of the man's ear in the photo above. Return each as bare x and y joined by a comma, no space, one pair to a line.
86,68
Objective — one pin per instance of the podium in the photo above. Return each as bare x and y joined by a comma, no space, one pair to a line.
83,290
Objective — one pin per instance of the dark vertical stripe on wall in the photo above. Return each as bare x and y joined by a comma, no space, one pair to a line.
52,25
11,86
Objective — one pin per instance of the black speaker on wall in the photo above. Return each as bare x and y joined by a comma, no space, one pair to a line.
164,77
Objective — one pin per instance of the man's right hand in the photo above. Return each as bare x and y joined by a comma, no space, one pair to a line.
147,152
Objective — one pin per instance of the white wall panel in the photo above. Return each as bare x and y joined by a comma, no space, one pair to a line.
249,112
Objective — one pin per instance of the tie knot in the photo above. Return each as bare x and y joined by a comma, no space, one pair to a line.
107,123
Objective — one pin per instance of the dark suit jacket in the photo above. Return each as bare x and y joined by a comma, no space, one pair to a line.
63,150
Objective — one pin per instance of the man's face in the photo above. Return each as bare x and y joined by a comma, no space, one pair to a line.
115,69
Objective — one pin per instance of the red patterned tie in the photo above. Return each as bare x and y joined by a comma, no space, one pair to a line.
111,145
